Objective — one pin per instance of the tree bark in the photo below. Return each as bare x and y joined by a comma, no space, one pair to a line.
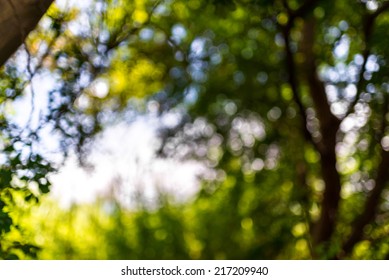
329,126
17,19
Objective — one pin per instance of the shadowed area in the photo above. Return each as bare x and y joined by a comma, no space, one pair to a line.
17,19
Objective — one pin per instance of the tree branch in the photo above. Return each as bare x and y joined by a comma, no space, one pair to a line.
293,82
305,8
291,64
329,124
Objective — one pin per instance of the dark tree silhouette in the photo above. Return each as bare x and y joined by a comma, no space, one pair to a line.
17,19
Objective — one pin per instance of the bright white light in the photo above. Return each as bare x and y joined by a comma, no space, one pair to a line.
100,88
197,47
372,5
178,33
126,166
257,164
342,49
348,124
171,119
63,4
385,143
29,108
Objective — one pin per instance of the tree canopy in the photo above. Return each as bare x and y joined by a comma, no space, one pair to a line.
286,101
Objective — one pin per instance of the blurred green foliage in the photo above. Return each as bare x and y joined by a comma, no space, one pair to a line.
207,228
221,66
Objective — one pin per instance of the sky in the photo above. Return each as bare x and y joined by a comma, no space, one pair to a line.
123,156
125,164
123,160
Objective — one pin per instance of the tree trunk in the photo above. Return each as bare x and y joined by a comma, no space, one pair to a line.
17,19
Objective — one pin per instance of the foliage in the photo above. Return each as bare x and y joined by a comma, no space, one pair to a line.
286,100
195,230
